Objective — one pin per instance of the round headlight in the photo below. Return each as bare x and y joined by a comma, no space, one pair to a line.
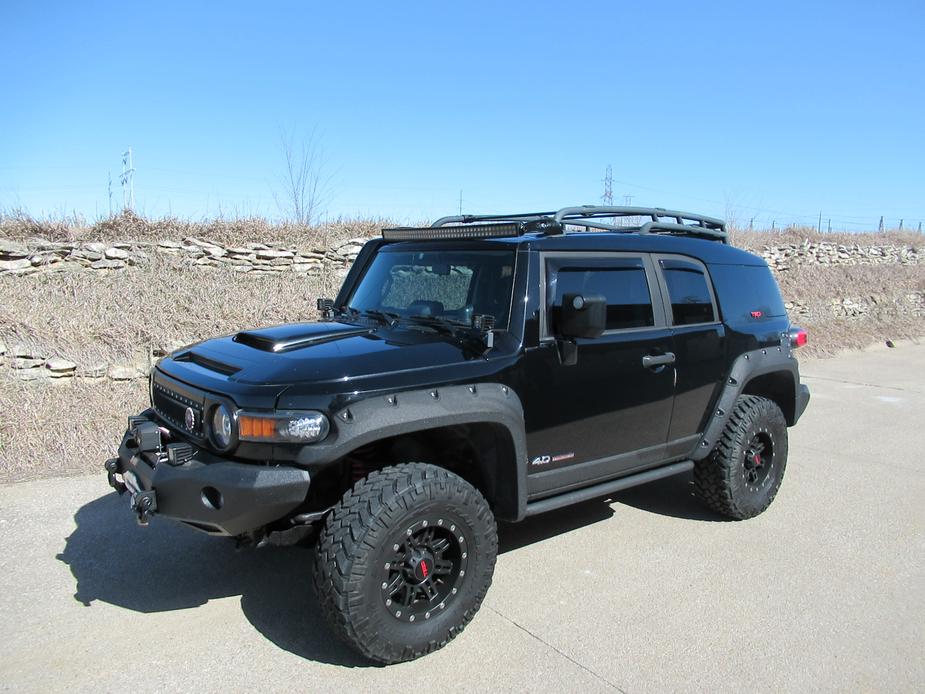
221,426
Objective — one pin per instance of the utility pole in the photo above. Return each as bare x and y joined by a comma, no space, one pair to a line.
900,225
460,202
751,223
920,227
109,173
819,225
773,224
128,181
881,224
830,225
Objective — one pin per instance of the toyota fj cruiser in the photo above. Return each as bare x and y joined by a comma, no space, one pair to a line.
487,367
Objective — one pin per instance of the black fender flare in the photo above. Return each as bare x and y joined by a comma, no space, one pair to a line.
403,412
745,368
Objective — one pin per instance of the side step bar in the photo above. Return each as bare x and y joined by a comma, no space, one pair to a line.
609,487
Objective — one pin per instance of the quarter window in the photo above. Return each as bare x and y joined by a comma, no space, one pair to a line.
691,301
621,281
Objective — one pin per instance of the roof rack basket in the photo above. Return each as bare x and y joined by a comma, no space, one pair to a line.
587,218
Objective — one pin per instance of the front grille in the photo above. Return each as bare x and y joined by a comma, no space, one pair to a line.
172,406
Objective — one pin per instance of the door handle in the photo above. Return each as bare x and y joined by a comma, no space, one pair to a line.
658,360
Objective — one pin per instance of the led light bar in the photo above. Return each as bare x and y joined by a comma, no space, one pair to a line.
469,231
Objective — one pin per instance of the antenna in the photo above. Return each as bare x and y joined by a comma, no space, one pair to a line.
460,202
128,181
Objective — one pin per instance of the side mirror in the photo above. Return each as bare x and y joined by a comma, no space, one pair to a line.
582,316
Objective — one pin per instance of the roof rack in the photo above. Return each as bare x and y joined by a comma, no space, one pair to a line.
587,217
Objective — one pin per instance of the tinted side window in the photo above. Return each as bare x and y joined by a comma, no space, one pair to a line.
622,282
747,292
691,301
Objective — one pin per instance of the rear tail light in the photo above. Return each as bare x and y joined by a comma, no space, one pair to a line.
797,337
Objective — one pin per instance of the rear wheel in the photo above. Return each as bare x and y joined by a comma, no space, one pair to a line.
404,560
741,476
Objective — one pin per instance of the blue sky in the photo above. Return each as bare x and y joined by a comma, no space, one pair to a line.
768,110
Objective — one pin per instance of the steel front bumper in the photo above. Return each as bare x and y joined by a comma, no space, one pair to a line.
212,494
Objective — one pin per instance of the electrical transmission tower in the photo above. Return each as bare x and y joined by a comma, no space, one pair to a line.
128,181
607,197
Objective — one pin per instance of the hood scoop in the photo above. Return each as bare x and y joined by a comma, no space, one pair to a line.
284,338
207,363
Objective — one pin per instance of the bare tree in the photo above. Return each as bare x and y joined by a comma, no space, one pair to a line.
306,185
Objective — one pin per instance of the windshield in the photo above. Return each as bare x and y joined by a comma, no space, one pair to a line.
451,285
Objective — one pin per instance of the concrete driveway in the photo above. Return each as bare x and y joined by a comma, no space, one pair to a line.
642,592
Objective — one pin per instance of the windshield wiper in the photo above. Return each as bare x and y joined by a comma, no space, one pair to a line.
440,325
385,317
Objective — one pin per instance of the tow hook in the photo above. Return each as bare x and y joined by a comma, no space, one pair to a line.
112,469
144,504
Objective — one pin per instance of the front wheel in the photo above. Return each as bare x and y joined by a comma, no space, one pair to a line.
741,476
404,560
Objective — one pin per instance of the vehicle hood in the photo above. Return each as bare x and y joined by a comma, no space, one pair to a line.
324,358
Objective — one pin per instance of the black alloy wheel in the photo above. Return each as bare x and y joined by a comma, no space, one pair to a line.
425,569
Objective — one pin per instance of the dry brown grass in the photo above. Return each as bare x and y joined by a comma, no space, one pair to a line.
882,289
57,429
756,240
91,317
227,231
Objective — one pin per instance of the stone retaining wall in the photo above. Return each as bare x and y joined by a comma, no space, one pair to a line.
257,258
783,257
38,255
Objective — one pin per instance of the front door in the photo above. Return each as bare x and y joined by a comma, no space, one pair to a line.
609,413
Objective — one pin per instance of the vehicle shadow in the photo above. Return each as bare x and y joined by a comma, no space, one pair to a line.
168,566
672,496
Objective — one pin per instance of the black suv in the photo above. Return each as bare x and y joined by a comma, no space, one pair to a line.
490,367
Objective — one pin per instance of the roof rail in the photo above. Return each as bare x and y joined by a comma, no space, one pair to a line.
590,217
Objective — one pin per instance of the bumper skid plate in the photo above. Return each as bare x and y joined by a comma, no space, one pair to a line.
213,494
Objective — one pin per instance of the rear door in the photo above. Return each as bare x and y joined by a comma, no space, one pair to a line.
609,413
699,345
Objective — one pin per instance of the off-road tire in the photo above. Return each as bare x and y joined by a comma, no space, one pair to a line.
721,480
358,542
